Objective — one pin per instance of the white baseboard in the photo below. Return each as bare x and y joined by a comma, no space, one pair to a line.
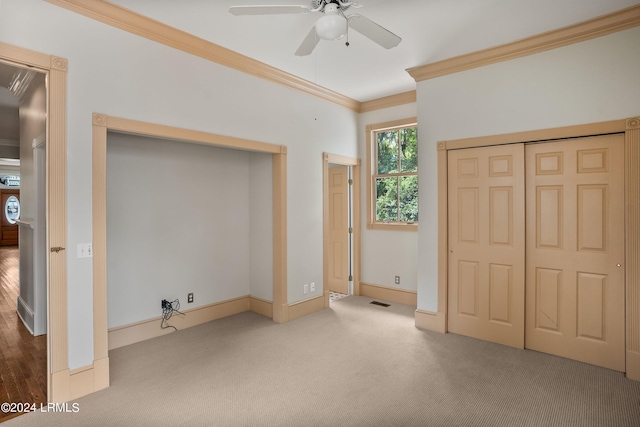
60,386
150,328
80,382
401,296
86,379
431,321
633,365
25,313
306,307
260,306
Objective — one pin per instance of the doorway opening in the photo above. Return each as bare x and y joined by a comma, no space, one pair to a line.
23,279
278,309
341,205
203,219
340,280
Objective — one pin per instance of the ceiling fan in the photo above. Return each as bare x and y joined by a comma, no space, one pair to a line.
332,26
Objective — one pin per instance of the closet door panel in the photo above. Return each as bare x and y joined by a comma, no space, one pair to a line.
575,249
486,243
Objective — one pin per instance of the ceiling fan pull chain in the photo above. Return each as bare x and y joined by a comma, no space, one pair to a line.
347,43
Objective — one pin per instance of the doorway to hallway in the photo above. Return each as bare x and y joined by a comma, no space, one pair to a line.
23,274
341,212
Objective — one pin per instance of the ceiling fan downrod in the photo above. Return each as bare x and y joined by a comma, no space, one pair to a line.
319,5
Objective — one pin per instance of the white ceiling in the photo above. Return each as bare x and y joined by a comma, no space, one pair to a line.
431,30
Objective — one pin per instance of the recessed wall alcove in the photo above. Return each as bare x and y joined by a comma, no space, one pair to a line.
102,125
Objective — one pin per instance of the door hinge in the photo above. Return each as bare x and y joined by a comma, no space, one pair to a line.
350,230
350,181
351,278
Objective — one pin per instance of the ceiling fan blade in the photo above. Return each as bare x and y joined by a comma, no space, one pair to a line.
309,43
373,31
268,10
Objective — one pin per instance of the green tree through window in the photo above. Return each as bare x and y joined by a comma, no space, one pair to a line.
395,176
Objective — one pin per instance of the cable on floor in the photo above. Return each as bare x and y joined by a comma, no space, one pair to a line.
168,308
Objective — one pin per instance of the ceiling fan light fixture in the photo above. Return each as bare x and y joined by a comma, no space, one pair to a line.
331,27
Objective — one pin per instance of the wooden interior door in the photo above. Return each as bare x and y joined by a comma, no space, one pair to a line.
575,249
8,231
338,253
486,243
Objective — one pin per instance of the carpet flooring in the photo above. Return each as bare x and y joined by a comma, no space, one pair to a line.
354,364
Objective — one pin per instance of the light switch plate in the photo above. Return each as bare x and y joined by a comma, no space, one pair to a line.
85,250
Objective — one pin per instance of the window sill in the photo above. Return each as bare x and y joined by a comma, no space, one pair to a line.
392,226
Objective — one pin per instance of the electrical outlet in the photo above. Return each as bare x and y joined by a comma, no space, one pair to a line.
313,286
306,288
190,297
397,280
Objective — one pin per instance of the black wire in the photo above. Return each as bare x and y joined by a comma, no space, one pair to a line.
168,308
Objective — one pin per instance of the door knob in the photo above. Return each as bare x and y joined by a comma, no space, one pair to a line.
618,265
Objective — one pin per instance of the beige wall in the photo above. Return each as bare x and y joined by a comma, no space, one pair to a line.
386,253
587,82
123,75
178,221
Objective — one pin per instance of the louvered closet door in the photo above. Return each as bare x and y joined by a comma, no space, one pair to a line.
486,243
575,242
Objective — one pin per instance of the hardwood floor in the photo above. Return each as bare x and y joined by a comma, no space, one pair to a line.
23,357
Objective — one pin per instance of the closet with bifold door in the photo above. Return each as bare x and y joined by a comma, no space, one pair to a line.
536,246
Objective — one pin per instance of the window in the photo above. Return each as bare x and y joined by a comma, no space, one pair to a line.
392,160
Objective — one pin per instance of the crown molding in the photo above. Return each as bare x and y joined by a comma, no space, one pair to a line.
135,23
388,101
597,27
